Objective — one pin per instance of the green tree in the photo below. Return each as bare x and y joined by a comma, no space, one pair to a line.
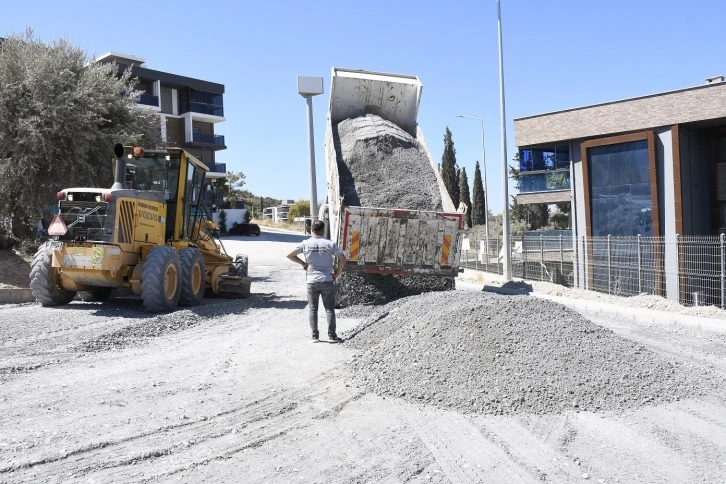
448,168
533,216
248,216
560,219
60,116
478,216
301,208
234,182
465,197
222,221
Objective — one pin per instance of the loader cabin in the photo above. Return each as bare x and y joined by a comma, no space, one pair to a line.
176,174
172,181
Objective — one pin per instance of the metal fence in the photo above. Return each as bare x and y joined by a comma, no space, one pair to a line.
691,270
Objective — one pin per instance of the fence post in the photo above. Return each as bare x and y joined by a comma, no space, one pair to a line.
541,257
562,260
723,288
476,262
640,269
497,250
487,254
609,278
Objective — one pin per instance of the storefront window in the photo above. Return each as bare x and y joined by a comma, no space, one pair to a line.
621,203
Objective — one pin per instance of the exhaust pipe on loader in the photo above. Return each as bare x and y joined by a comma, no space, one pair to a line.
119,181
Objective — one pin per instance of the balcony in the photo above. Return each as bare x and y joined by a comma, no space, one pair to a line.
148,100
214,139
203,108
544,187
217,167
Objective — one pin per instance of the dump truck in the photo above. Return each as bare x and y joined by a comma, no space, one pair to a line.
387,240
150,232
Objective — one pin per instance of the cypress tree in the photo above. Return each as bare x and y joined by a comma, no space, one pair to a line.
478,216
465,197
448,168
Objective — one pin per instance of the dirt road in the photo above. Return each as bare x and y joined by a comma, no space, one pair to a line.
233,391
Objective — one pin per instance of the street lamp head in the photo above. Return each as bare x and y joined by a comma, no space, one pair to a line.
309,86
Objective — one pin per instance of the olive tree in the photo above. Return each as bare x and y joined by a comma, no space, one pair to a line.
60,116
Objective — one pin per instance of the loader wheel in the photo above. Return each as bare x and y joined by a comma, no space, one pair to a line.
161,279
193,277
45,280
96,295
241,265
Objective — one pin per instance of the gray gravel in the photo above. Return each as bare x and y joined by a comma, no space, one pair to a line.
380,165
356,289
480,352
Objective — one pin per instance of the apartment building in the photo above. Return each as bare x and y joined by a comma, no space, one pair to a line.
278,213
189,109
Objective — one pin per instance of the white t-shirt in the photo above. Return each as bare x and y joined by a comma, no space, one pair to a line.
319,253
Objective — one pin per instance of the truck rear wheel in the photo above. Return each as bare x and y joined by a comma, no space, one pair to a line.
193,277
161,279
95,295
45,280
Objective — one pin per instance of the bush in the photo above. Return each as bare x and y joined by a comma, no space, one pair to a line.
223,221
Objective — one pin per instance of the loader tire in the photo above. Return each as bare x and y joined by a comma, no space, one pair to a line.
193,277
242,265
95,295
45,280
161,280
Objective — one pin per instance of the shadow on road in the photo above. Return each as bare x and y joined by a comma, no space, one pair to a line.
267,237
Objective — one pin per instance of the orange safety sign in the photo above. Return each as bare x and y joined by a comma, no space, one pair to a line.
355,246
445,247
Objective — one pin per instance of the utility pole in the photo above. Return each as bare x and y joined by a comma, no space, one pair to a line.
308,87
507,262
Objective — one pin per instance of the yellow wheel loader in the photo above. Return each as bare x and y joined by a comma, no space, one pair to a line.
150,232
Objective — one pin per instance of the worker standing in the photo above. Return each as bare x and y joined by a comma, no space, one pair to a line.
319,253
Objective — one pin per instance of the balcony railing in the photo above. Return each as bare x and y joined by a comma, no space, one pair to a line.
544,182
217,167
148,100
203,108
215,139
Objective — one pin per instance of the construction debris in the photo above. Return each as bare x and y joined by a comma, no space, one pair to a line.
486,353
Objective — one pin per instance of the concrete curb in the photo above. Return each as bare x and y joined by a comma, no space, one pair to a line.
649,316
16,296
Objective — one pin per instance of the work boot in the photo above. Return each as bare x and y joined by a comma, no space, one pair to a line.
315,338
333,338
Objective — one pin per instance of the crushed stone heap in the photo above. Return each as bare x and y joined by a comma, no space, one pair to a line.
486,353
382,166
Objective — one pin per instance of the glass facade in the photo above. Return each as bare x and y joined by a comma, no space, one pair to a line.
204,102
620,196
544,169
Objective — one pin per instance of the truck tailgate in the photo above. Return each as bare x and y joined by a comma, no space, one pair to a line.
390,241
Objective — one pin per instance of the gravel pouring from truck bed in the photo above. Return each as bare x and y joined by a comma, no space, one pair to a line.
382,166
486,353
355,288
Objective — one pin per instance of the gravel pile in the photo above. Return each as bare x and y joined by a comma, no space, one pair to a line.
493,354
354,289
143,327
380,165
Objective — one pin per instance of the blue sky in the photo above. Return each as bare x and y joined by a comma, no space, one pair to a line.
558,54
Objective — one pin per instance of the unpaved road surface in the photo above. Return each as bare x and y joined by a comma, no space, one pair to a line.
233,391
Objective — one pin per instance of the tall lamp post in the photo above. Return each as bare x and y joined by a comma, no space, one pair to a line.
308,87
484,167
507,263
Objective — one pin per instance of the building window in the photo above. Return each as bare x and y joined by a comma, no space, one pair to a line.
544,169
620,189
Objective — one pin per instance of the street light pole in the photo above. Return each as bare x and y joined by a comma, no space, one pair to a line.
507,263
308,87
484,168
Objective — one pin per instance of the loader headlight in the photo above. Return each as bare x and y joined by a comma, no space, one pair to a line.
69,197
98,198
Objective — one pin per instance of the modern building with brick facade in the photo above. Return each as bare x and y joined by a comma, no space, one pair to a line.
650,166
189,109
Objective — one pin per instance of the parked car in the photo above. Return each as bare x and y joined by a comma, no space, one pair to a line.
245,229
